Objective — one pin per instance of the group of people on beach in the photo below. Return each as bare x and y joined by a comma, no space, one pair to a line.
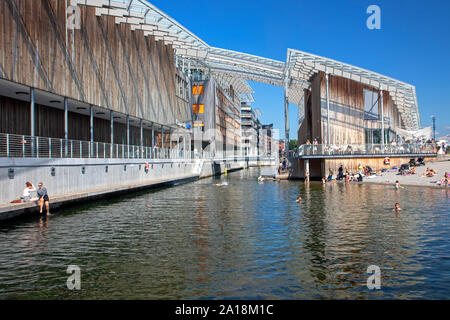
41,199
348,176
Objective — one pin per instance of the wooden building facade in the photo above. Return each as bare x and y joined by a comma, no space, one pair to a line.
102,64
355,113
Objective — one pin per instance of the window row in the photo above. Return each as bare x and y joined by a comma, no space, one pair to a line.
198,90
182,88
198,109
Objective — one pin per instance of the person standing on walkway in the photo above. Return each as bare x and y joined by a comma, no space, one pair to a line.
43,198
340,172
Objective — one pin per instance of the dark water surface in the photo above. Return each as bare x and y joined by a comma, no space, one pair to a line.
244,240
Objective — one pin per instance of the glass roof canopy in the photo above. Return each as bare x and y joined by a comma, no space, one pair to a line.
236,68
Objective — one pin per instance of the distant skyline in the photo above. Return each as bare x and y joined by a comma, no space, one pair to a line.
412,46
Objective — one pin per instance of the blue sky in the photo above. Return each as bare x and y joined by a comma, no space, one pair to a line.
413,44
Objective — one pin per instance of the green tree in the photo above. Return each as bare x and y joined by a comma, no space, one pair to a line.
293,144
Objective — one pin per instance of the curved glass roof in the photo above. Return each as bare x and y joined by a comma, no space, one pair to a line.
236,68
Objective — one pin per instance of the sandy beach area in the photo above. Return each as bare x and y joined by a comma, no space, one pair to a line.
414,180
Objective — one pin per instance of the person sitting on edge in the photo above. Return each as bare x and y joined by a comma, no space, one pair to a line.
413,170
330,174
360,177
43,198
26,194
397,207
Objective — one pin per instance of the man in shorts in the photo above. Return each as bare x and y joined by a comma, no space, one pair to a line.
43,198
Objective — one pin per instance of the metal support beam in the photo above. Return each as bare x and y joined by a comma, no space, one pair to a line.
111,119
170,143
382,117
92,123
306,168
66,119
153,135
32,120
128,136
328,111
141,126
162,142
32,112
91,109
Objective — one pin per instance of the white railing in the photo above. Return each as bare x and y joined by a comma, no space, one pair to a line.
366,149
19,146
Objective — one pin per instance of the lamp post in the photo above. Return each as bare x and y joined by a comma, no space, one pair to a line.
433,118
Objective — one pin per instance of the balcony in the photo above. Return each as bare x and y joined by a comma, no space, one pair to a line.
365,150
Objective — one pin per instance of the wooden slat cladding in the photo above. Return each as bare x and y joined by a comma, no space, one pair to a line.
49,122
347,124
104,64
14,116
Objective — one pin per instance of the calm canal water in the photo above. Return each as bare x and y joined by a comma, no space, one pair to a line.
244,240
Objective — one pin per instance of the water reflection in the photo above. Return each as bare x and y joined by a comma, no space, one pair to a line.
244,240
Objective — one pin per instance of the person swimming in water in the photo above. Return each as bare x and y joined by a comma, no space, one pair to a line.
397,185
221,184
299,199
397,207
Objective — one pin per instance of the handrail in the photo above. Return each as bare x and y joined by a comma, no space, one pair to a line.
366,149
21,146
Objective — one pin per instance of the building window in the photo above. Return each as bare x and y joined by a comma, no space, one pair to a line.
195,108
194,90
371,101
198,125
201,108
201,90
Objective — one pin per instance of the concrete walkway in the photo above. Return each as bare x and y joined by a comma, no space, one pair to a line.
10,211
389,178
